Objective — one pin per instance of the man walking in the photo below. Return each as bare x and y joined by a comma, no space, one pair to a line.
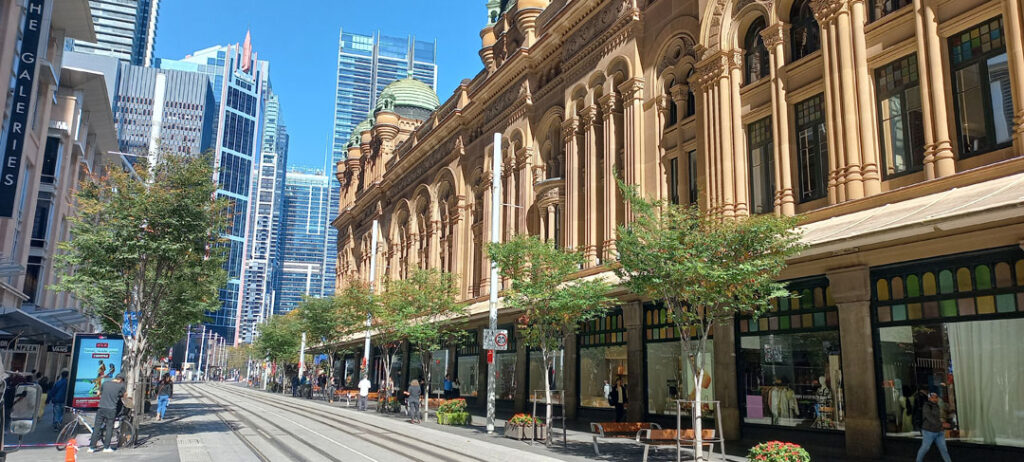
364,391
110,394
618,399
57,396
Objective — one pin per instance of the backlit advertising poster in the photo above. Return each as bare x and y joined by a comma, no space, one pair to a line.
96,359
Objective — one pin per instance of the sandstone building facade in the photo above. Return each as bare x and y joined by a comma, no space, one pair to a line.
895,128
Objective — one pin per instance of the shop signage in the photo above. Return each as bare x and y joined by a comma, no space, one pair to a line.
19,348
58,348
20,104
496,339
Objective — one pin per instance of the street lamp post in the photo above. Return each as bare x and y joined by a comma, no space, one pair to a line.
369,315
493,302
202,349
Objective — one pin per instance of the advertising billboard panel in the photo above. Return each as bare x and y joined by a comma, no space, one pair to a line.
96,359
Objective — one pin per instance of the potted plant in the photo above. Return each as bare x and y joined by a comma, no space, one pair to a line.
778,451
389,404
525,426
452,412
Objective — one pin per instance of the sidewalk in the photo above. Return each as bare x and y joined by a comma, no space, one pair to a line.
185,435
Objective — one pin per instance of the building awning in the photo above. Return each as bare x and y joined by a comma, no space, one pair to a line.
66,319
19,323
957,208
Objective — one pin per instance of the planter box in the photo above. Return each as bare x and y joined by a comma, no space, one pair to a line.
453,418
525,432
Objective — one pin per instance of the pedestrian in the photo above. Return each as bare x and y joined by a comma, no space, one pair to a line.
920,398
110,395
618,398
932,429
607,390
295,385
456,388
413,402
164,391
56,398
364,391
448,386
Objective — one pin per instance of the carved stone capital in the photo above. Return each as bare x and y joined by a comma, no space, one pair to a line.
713,68
569,128
632,90
589,116
773,36
610,105
826,10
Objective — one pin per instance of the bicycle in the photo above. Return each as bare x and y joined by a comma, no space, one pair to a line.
124,427
71,428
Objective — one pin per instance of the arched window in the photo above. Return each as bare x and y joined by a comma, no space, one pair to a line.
755,60
804,34
691,102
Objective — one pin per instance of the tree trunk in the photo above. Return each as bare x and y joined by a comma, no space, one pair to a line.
698,437
547,395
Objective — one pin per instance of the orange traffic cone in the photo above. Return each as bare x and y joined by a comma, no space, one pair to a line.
71,451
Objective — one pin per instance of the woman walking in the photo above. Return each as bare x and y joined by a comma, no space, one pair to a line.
164,390
413,401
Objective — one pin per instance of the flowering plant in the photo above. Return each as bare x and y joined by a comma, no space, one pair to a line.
524,420
452,405
778,451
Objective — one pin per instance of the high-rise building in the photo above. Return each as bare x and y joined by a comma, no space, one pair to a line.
367,64
125,29
306,193
240,82
263,265
161,110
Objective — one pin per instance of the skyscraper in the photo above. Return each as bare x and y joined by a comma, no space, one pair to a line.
158,110
367,64
125,29
306,193
262,271
240,82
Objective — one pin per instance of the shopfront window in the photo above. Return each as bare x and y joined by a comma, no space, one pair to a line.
554,374
505,385
438,369
790,361
468,367
953,327
602,358
349,372
416,369
669,377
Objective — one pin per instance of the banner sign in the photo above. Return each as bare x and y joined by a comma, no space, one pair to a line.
20,104
21,347
95,359
59,348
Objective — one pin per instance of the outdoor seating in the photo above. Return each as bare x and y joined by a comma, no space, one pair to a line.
652,438
619,430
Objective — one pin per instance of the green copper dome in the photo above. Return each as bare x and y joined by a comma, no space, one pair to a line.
355,137
409,98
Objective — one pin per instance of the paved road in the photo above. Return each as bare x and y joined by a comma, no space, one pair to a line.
275,428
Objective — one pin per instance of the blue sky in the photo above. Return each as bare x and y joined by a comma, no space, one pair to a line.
300,39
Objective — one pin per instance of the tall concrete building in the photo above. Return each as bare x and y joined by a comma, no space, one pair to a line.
263,265
240,82
162,110
306,193
367,64
125,29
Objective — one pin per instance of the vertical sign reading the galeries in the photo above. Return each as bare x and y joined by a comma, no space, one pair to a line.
22,99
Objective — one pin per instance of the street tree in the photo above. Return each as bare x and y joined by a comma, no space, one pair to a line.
428,311
553,304
279,339
329,320
705,269
149,251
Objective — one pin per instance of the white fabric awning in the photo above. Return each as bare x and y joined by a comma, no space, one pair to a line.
985,202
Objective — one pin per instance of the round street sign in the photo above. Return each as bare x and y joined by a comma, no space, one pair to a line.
501,339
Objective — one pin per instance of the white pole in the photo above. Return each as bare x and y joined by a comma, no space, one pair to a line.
202,345
373,271
188,339
302,356
495,237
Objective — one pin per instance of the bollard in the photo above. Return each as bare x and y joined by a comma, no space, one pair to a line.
71,451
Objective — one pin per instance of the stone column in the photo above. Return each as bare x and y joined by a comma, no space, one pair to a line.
485,237
942,148
633,314
774,38
632,91
866,111
572,168
926,102
434,253
740,171
854,178
720,89
590,185
836,185
569,377
661,103
610,106
1012,22
851,290
725,385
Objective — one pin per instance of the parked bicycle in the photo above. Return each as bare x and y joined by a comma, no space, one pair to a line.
124,428
70,429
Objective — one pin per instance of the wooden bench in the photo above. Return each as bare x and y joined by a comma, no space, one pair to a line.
657,437
351,395
619,430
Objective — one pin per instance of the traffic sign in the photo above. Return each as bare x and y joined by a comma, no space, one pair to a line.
496,339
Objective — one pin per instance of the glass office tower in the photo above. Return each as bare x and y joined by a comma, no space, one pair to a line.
367,64
125,29
306,222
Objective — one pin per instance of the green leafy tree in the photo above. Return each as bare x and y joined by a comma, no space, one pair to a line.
553,306
150,248
426,311
328,320
705,269
279,340
357,301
